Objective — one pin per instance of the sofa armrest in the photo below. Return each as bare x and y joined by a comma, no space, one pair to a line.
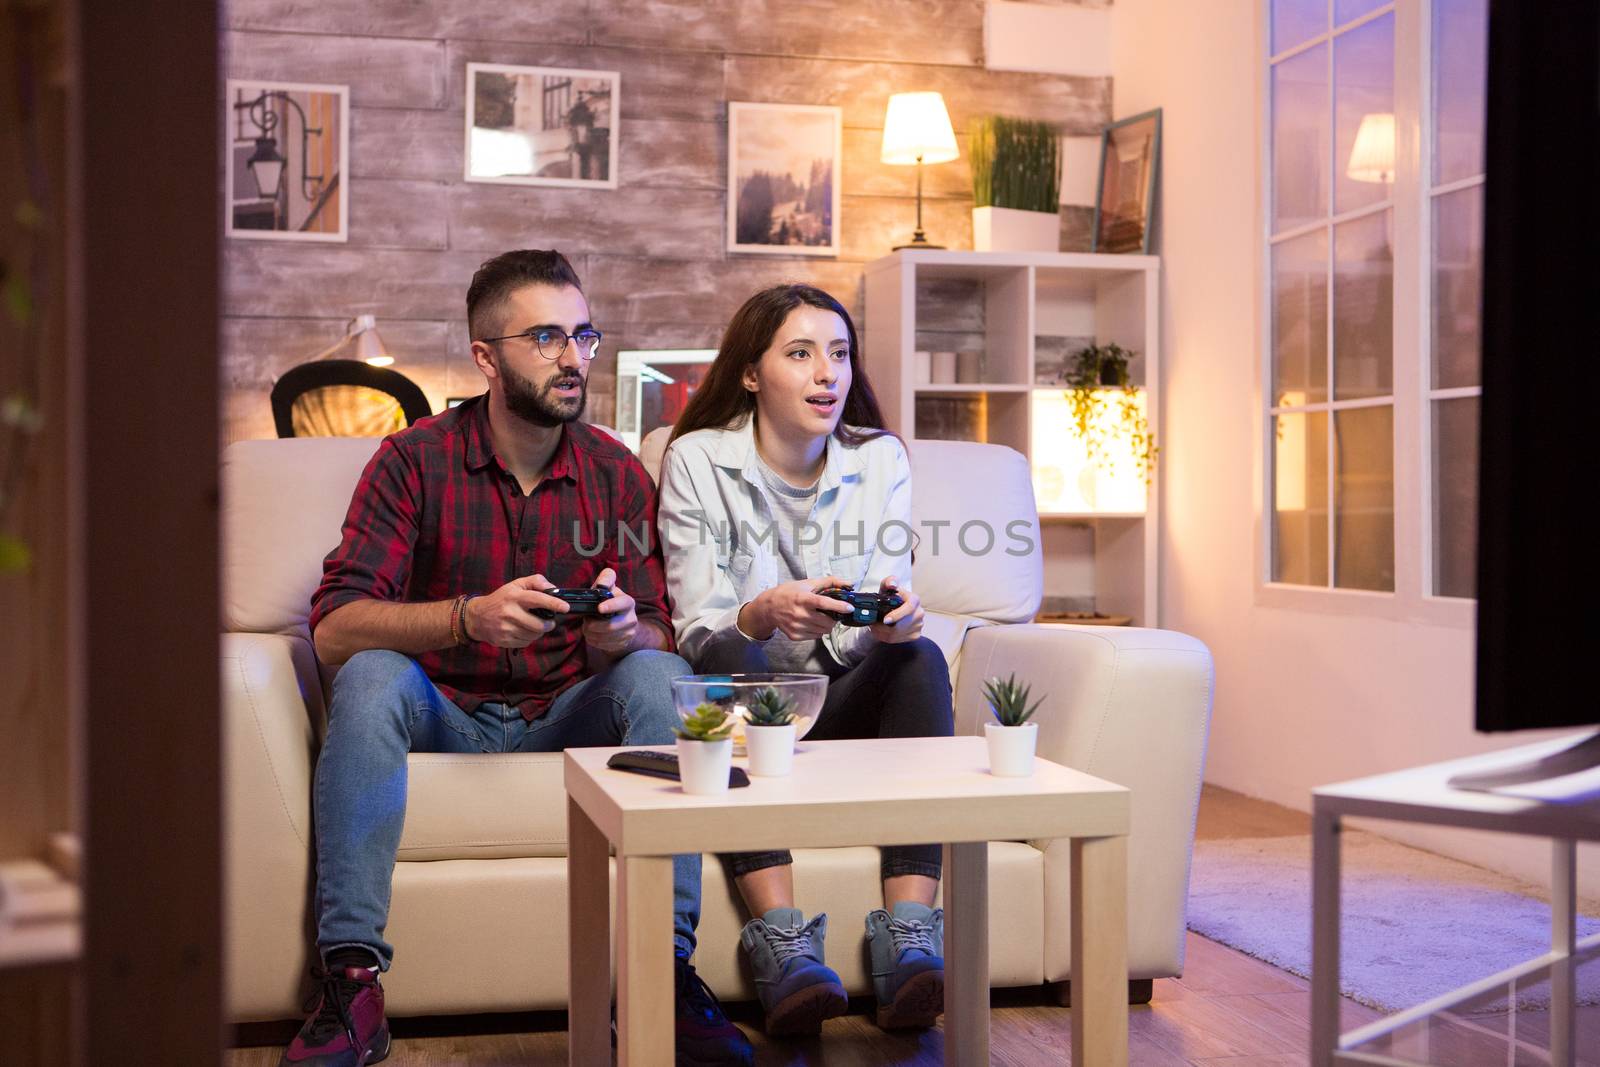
269,745
1132,706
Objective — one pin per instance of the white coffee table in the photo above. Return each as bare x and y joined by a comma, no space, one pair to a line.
879,792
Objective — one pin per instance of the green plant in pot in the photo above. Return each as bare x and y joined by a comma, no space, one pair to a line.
705,749
1012,738
1016,185
1094,371
769,733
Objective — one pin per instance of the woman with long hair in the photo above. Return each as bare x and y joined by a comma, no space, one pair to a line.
781,483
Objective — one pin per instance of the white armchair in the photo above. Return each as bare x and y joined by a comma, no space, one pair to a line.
481,874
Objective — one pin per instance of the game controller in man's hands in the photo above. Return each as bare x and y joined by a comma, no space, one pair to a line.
579,601
865,608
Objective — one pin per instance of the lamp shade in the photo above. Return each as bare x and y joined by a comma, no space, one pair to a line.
369,346
1372,158
916,128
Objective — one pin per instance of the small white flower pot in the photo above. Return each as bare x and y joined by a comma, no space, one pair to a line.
1011,749
771,749
703,765
1005,229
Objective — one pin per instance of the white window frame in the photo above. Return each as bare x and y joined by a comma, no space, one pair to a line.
1411,200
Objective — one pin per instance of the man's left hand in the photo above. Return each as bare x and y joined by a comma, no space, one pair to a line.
903,623
613,630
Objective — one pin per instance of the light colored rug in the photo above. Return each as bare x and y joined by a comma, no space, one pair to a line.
1415,924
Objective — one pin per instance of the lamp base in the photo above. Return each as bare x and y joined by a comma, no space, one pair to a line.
918,240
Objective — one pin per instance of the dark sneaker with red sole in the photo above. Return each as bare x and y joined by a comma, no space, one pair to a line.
705,1037
345,1027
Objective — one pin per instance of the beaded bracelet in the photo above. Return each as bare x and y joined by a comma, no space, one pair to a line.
458,619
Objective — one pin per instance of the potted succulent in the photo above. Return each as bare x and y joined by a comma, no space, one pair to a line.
769,733
705,749
1096,371
1012,738
1016,185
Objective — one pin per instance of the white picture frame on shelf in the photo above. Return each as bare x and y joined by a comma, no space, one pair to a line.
286,156
784,164
541,126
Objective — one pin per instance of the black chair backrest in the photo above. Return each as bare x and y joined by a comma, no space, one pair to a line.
308,377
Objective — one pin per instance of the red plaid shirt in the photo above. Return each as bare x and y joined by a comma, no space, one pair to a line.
436,514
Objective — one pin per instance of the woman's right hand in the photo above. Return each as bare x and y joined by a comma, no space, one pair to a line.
798,610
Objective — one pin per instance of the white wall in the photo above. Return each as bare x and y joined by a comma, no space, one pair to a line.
1303,698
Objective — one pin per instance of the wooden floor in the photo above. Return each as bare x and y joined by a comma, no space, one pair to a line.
1227,1010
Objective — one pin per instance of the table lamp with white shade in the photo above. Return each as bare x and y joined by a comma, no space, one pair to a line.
916,130
1372,157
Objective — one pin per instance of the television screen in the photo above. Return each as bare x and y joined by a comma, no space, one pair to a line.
1538,556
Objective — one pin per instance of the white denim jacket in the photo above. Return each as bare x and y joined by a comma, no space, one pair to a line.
714,519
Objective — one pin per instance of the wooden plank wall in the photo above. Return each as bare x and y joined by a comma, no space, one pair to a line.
651,251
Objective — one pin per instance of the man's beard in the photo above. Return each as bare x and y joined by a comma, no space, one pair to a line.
537,404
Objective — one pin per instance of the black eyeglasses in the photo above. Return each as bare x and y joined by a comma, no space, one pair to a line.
552,342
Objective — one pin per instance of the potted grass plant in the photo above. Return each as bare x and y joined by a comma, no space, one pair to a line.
769,733
1013,740
705,749
1016,185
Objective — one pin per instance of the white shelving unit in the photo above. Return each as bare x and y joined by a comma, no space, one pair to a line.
1010,299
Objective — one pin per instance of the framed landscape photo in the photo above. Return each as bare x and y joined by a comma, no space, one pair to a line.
783,178
288,145
1130,155
542,125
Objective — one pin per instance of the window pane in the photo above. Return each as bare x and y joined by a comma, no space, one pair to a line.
1300,139
1363,80
1363,308
1457,287
1455,497
1294,21
1460,56
1300,320
1345,10
1300,499
1363,501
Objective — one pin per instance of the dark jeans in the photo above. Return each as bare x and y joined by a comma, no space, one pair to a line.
900,690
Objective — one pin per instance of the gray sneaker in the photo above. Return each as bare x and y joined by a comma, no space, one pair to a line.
797,989
907,950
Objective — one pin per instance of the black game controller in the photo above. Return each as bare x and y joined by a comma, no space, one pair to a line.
579,601
866,608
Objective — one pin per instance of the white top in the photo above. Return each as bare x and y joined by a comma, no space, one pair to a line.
717,534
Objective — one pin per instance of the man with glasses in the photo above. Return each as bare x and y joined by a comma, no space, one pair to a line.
436,604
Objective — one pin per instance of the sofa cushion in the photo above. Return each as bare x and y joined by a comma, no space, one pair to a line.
484,806
283,504
964,494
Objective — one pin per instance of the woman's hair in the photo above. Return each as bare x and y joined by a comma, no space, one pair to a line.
722,401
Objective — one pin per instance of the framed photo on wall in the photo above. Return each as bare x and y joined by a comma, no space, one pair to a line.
1130,156
285,161
783,178
542,125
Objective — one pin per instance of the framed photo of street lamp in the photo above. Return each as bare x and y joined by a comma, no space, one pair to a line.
783,179
287,150
542,125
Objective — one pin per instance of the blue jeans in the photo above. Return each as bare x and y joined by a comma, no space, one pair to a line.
384,707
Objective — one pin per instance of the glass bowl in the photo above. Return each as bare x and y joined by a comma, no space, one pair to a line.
737,691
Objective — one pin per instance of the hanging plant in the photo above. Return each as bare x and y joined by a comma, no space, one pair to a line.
1094,370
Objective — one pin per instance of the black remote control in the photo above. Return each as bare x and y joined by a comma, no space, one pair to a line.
664,765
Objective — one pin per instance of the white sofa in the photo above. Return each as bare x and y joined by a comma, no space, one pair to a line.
478,915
